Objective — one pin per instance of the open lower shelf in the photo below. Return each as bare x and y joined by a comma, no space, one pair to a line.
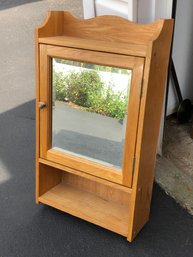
85,205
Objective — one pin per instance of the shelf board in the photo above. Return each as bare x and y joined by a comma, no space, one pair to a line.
82,204
86,176
109,47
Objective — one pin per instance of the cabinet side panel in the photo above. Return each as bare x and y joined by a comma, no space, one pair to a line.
49,177
37,112
150,114
52,25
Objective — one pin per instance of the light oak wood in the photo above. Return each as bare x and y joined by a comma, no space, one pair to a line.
48,179
114,60
90,207
43,97
86,175
102,46
132,121
121,176
101,190
105,28
117,201
155,75
37,60
84,165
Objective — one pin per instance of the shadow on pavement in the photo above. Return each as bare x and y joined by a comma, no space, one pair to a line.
27,229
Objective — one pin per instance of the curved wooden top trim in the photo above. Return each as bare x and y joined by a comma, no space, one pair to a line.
105,28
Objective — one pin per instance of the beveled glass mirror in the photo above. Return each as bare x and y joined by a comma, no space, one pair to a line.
89,110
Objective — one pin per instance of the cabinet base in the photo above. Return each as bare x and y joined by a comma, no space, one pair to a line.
87,206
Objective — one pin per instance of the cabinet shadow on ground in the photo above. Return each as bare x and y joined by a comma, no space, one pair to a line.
30,230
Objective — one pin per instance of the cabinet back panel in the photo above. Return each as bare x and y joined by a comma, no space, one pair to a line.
105,192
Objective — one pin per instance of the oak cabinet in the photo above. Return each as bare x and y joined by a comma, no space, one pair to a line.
100,87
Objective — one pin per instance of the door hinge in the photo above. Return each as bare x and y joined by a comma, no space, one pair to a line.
133,164
141,93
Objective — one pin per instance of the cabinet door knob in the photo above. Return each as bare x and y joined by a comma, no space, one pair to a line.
42,105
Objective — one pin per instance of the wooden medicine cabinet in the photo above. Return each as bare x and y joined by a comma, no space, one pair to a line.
100,88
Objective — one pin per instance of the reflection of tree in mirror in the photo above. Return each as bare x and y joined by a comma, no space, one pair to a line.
86,90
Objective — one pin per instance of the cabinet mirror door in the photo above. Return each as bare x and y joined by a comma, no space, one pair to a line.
92,127
89,110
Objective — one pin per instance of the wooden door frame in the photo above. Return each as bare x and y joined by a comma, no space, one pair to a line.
136,64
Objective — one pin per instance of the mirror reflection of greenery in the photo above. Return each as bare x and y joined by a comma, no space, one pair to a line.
88,91
93,66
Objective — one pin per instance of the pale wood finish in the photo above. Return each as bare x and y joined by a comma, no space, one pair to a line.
114,60
48,179
86,175
90,207
103,191
37,59
132,63
132,122
102,46
84,165
105,28
155,76
104,199
44,97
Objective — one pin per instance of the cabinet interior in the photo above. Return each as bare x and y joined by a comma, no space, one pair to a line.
85,198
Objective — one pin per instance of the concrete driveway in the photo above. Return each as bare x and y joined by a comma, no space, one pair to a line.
18,20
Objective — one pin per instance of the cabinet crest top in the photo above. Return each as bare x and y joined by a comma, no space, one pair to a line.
102,28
